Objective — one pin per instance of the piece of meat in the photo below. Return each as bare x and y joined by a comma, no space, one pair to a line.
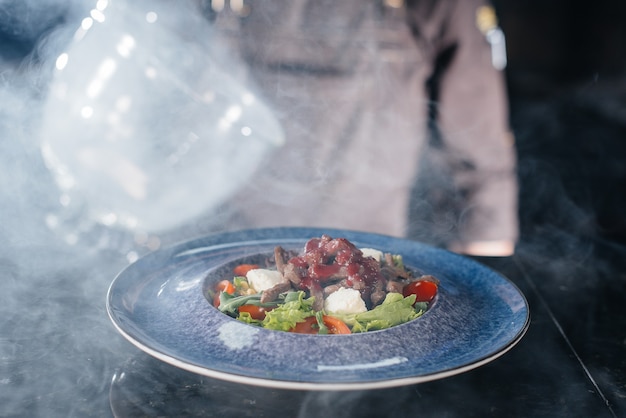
377,297
269,295
391,272
317,292
357,284
378,294
279,255
394,286
331,288
292,273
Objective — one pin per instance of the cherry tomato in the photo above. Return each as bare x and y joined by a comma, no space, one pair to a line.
243,269
223,286
256,312
310,326
424,290
336,325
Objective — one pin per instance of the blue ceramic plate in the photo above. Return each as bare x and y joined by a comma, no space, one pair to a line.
158,304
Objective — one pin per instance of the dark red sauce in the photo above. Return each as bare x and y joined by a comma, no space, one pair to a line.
325,259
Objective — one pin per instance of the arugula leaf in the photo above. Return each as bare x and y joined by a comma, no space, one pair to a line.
230,303
319,316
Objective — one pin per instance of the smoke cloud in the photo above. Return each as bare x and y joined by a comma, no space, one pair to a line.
119,120
128,125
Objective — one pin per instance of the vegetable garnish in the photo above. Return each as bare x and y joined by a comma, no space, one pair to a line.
222,287
332,287
243,269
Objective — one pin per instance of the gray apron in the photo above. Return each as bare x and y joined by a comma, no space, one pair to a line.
352,83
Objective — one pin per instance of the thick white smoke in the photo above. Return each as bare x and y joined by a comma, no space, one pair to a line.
108,124
148,121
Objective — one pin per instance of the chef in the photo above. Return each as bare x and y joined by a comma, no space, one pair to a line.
395,116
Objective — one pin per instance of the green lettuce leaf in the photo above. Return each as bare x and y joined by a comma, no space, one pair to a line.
394,310
247,318
294,309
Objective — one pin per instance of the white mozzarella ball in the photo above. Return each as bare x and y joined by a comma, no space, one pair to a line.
371,252
344,301
263,279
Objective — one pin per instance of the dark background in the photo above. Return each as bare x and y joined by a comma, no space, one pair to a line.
566,67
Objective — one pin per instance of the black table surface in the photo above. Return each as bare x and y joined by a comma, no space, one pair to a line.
61,356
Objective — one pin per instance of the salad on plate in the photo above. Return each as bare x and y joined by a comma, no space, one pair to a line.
330,287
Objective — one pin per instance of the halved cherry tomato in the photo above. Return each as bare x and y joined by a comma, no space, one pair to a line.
310,326
335,325
223,286
424,290
216,299
256,312
243,269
